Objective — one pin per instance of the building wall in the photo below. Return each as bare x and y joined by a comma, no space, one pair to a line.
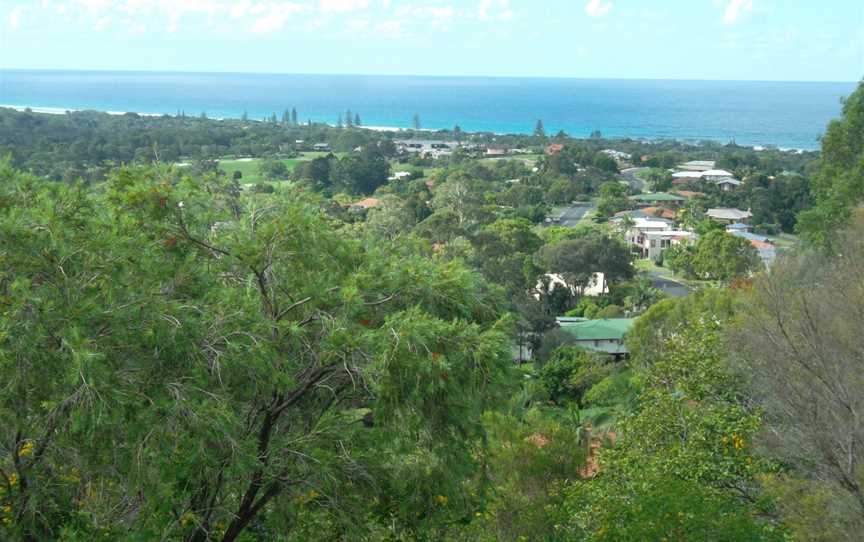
607,346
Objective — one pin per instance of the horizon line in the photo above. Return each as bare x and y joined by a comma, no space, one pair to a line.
417,75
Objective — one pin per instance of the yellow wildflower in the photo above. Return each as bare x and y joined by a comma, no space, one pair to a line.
186,519
26,450
441,499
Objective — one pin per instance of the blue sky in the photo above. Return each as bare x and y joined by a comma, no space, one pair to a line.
677,39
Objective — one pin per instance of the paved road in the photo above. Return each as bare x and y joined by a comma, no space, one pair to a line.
635,182
571,216
669,287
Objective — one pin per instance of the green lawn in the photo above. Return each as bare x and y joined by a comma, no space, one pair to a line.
784,240
249,167
530,159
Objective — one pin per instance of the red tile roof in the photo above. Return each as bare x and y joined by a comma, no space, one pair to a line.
554,149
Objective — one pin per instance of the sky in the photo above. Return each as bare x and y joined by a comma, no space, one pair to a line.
785,40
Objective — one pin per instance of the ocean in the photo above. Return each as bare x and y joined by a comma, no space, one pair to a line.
782,114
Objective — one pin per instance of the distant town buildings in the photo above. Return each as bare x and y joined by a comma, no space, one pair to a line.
426,148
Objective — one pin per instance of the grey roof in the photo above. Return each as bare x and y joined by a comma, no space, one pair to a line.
728,214
738,227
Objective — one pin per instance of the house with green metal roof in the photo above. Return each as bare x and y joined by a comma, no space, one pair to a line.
605,335
658,197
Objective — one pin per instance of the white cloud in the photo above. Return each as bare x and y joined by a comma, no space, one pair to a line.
343,6
274,16
387,17
734,10
486,9
93,6
15,16
392,29
240,9
597,8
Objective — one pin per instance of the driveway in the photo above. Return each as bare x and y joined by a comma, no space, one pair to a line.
667,286
635,182
572,215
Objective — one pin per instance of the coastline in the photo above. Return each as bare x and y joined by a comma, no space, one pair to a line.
695,140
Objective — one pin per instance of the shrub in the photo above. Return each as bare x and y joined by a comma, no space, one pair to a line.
612,390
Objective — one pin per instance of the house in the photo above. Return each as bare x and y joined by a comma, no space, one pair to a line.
549,282
688,175
364,204
698,165
728,184
633,214
554,149
399,176
660,212
606,336
655,243
496,151
689,194
728,216
321,147
426,148
738,226
617,155
716,174
658,197
651,236
763,245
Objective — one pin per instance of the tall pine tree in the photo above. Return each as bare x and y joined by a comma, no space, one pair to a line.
539,130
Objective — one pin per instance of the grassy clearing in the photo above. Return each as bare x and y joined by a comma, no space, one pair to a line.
529,159
784,241
249,167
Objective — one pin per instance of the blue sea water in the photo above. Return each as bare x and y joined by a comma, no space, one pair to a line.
785,114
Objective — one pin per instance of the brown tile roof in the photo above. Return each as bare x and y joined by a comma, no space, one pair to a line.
689,193
368,203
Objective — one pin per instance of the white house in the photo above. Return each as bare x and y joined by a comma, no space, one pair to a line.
656,243
597,286
428,148
399,176
652,236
